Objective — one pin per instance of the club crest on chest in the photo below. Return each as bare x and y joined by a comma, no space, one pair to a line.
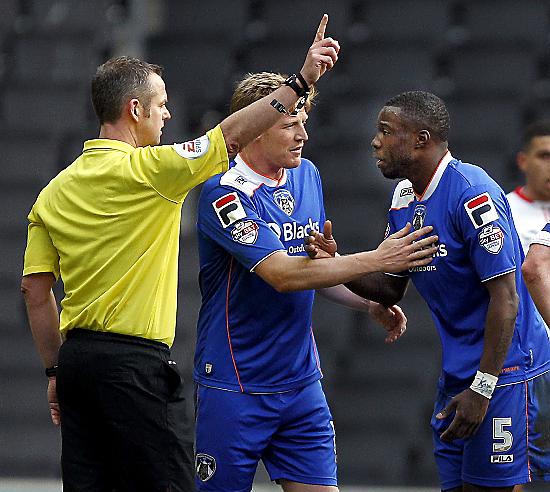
284,200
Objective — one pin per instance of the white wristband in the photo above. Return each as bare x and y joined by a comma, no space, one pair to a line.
484,384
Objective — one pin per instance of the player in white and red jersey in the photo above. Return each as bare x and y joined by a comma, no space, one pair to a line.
536,271
530,203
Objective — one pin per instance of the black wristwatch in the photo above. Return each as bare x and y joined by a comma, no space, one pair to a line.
302,91
51,372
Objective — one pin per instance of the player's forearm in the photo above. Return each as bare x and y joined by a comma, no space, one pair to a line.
243,126
540,292
341,295
379,287
44,322
499,330
292,273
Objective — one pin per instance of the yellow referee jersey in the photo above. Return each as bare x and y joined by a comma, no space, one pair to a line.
109,225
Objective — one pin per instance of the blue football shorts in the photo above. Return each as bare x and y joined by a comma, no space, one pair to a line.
511,447
291,432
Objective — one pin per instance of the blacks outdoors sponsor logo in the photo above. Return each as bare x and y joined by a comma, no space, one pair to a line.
288,231
229,209
205,466
284,200
245,232
491,238
481,210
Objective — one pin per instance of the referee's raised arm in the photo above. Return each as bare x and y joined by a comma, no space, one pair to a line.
245,125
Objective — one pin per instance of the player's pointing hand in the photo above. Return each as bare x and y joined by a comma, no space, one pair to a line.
322,54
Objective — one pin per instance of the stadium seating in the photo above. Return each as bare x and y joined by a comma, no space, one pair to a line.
490,64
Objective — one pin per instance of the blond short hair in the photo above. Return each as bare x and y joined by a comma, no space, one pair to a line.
254,86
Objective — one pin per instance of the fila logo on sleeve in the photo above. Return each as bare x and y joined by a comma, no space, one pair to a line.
229,209
481,210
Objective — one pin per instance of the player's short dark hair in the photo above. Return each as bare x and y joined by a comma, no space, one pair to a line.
425,109
535,129
255,86
117,81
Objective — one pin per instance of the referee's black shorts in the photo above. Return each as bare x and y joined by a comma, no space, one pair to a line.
124,422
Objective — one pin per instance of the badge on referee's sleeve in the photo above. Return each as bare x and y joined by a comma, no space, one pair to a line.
194,148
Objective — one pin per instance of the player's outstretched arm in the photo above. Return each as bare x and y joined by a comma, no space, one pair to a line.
536,272
391,318
245,125
471,405
378,287
398,252
44,322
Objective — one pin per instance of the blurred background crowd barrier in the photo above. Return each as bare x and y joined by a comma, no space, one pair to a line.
488,59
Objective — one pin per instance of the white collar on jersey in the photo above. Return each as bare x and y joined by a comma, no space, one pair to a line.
247,172
436,177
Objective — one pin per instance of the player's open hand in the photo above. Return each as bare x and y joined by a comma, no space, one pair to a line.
470,409
392,319
52,400
321,245
403,250
321,56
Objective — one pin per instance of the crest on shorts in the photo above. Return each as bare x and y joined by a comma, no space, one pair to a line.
491,238
418,217
284,200
205,466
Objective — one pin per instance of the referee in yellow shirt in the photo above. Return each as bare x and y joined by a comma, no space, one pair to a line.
108,225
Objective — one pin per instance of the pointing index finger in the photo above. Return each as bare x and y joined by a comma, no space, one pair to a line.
321,30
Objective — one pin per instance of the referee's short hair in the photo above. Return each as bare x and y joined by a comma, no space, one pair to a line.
424,109
254,86
117,81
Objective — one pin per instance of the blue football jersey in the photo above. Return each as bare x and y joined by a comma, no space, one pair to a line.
251,338
477,242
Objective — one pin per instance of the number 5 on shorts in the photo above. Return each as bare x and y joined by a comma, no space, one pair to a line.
504,436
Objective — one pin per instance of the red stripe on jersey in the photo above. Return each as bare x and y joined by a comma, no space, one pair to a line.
527,427
225,200
478,201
